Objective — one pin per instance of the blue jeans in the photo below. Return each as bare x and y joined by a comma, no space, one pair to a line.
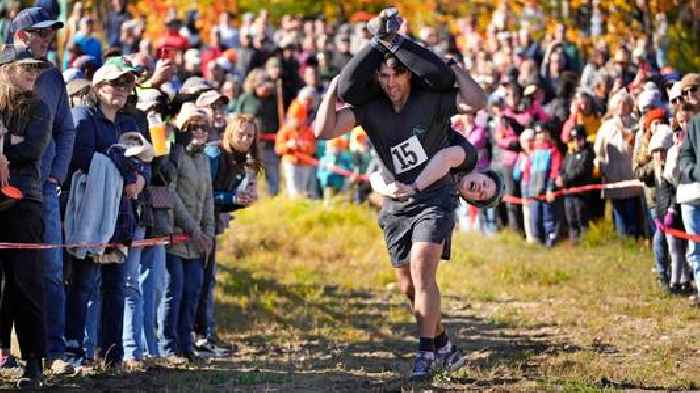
204,323
660,249
180,303
86,284
133,302
93,318
53,271
271,161
543,221
691,221
625,216
153,289
487,221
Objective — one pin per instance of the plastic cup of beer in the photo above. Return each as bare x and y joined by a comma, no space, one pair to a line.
158,134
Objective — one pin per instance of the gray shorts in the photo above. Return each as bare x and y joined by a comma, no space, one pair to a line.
405,223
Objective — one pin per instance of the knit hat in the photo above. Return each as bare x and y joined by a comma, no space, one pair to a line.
662,138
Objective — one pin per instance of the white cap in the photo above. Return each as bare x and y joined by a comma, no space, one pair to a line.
662,138
675,91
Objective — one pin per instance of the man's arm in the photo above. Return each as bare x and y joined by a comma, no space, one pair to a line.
331,123
469,91
432,72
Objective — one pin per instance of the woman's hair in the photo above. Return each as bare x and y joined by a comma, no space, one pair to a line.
616,102
253,80
15,104
236,123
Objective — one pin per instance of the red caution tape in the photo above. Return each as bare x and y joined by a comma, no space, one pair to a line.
335,169
173,239
573,190
677,233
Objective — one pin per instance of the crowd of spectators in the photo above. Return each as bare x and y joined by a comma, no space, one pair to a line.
138,138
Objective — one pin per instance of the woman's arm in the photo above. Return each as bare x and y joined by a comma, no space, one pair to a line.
331,122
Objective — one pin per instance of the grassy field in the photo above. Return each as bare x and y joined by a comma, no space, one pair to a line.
307,294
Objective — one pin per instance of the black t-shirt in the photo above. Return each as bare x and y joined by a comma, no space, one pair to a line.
407,140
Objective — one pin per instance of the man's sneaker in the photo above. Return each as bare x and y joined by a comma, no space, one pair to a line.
423,368
74,355
208,348
33,376
60,367
8,362
449,359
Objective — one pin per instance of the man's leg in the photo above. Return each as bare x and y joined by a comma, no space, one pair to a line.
424,262
55,288
403,275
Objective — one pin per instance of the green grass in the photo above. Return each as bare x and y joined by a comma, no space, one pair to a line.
281,258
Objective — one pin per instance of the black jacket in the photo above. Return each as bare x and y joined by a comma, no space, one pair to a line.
31,137
578,167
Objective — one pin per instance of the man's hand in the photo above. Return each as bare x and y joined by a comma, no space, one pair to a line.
244,198
165,69
386,25
398,190
550,196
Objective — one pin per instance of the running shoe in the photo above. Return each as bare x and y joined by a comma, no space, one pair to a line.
449,359
423,367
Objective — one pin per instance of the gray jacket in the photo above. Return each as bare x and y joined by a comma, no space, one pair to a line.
193,210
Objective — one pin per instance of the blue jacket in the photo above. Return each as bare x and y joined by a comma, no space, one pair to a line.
51,89
96,133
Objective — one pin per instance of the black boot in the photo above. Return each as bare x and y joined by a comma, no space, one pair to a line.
33,375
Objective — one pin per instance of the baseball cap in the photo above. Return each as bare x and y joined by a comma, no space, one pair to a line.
34,18
109,72
648,99
210,97
147,99
188,112
136,145
19,54
77,86
195,85
122,63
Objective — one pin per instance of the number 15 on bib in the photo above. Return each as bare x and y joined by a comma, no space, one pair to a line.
407,155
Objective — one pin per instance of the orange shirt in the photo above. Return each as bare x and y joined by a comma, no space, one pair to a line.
291,141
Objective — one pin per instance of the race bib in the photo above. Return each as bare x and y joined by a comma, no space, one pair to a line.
408,155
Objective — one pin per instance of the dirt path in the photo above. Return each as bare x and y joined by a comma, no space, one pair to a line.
501,358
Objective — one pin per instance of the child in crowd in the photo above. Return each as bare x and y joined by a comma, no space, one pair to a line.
294,142
360,156
335,156
577,171
543,170
668,213
527,141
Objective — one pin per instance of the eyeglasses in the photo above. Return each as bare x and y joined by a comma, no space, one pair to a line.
690,90
41,33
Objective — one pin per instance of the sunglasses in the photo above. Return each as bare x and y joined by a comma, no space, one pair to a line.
690,90
122,82
197,128
676,100
41,33
32,67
